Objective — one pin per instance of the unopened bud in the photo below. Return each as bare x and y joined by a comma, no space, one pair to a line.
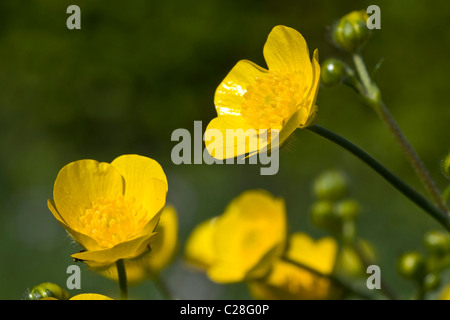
351,32
47,290
330,185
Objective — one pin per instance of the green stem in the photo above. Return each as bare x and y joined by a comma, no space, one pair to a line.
410,193
385,288
162,287
336,281
373,98
122,274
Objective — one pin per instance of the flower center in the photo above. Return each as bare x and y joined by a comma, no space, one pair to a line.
113,221
272,99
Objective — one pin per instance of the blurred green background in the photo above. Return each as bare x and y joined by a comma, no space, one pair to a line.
137,71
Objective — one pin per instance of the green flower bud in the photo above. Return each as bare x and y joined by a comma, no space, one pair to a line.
351,32
47,290
437,242
347,209
412,265
332,72
330,185
348,262
431,281
322,216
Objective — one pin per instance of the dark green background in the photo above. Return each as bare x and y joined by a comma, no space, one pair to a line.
140,69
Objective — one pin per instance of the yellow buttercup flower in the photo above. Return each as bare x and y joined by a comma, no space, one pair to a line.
243,242
163,250
289,282
84,296
278,100
111,209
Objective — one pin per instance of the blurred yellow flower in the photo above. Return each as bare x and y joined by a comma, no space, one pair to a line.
90,296
280,98
289,282
163,250
85,296
110,209
243,242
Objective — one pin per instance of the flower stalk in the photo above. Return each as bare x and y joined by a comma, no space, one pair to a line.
396,182
373,98
122,274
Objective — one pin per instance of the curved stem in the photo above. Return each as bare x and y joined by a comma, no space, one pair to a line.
410,193
336,281
122,274
373,98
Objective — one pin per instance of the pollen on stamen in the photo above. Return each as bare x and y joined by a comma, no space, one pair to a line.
113,221
272,99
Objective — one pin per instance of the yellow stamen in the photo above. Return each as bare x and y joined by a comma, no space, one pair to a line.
272,99
113,221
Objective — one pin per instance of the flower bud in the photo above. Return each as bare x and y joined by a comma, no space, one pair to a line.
431,281
437,242
332,72
330,185
412,265
351,31
347,209
349,263
322,216
321,211
47,290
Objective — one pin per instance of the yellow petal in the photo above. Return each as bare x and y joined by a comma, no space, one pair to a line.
295,121
86,241
229,94
314,88
90,296
199,249
320,254
286,51
141,175
163,248
148,264
81,182
242,140
253,225
124,250
287,281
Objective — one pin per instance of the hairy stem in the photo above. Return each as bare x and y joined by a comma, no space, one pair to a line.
373,98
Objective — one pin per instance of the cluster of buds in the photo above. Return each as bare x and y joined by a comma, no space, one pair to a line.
425,269
333,210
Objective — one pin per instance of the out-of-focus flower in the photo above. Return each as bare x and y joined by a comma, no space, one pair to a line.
243,242
111,209
287,281
163,250
90,296
276,100
84,296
